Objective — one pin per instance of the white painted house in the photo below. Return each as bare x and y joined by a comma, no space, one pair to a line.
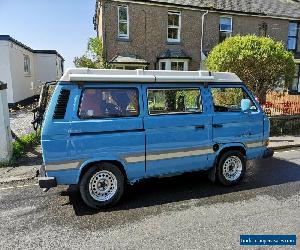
23,69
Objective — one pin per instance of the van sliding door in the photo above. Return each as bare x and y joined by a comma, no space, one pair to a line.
177,129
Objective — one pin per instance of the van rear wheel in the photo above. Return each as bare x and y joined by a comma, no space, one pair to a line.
102,185
231,168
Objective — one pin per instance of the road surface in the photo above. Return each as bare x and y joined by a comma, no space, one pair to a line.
184,212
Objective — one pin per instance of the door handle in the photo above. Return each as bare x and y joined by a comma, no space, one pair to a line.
199,126
73,131
217,125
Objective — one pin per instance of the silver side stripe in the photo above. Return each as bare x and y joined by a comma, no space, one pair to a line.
134,159
63,166
254,144
150,157
169,155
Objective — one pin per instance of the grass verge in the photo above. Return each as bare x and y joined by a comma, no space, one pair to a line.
21,146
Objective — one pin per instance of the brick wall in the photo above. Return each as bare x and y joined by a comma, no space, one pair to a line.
243,25
148,41
148,31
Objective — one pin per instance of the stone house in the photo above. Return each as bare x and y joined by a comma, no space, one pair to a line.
178,34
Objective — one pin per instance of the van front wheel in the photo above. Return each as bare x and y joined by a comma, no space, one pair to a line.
231,167
102,185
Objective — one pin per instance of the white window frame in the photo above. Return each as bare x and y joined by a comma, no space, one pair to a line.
295,37
123,66
169,61
227,31
171,40
123,36
297,76
27,58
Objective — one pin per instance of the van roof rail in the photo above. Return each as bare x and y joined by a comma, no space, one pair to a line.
150,76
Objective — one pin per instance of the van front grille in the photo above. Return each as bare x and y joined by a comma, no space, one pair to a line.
61,105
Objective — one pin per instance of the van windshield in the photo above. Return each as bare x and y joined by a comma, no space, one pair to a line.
106,103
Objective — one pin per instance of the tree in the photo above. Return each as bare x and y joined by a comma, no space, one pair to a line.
260,62
93,57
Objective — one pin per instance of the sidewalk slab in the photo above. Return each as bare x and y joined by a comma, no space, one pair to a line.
283,142
20,173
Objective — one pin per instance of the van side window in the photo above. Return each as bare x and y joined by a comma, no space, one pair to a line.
228,99
107,103
174,101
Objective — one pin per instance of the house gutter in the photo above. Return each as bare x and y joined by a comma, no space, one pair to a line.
220,11
202,36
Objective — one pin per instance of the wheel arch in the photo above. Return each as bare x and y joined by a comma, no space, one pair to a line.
239,147
89,164
220,152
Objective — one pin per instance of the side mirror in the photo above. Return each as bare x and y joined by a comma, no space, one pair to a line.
245,105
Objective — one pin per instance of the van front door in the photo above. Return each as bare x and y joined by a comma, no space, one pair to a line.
230,124
177,129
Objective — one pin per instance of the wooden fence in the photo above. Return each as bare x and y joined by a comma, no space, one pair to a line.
281,104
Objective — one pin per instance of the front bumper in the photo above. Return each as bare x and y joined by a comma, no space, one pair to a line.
269,152
44,181
47,182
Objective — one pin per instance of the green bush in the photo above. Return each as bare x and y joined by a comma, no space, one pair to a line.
24,143
260,62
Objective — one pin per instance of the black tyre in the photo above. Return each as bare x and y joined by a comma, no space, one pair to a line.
231,168
102,185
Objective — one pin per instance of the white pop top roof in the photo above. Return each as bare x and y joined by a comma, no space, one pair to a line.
139,75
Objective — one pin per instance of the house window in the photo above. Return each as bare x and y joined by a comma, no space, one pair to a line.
292,36
62,66
123,22
174,26
129,67
225,28
177,66
26,64
59,69
174,64
162,66
296,82
263,28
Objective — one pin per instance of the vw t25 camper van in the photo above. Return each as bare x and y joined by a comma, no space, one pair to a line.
106,128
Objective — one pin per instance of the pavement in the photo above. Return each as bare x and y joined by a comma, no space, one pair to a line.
183,212
31,163
284,142
14,174
25,170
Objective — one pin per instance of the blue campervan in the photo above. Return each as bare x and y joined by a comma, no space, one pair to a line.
104,129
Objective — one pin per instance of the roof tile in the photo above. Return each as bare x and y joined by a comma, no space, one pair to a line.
278,8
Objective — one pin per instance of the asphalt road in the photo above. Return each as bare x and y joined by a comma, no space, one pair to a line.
185,212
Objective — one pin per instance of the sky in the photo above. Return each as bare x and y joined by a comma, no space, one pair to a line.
62,25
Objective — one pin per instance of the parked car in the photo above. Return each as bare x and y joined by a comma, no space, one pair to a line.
106,128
